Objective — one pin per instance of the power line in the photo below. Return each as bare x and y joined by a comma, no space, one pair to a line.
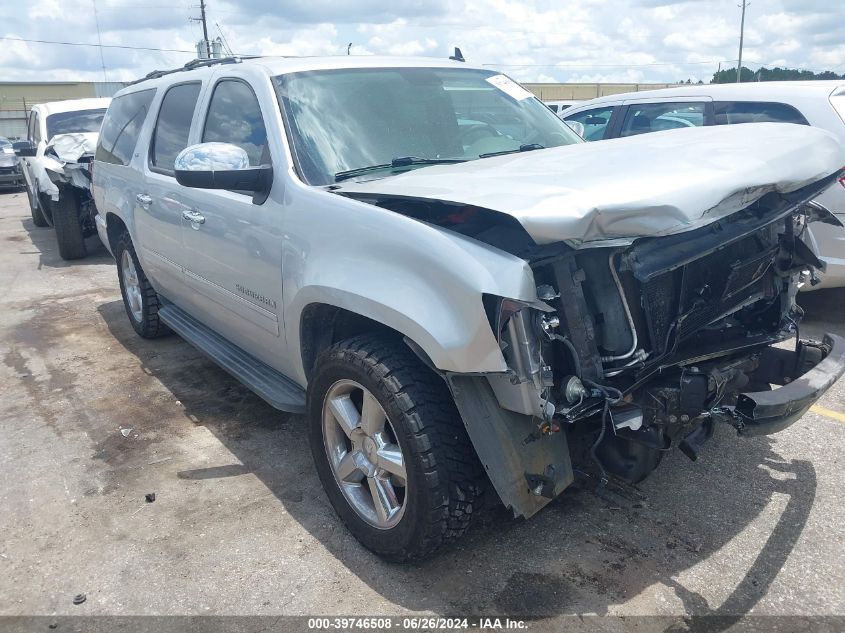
122,46
561,65
226,46
99,39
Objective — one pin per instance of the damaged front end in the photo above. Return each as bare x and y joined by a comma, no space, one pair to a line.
633,350
67,164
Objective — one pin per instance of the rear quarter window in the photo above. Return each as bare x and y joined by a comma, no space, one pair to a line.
734,112
122,126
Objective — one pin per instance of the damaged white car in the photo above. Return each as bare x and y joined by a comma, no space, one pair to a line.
465,299
61,138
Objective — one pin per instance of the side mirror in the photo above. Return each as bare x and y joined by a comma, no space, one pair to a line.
25,148
577,127
222,166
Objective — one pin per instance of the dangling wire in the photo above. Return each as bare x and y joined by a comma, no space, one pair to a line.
604,479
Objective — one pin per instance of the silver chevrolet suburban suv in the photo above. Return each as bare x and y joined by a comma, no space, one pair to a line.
465,300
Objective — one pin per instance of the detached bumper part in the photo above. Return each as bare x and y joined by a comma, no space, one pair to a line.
766,412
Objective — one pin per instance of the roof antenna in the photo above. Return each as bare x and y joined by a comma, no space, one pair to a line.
458,56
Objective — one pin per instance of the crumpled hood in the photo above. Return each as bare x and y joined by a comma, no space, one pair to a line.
72,146
618,190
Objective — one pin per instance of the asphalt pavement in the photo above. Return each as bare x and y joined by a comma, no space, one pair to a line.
93,418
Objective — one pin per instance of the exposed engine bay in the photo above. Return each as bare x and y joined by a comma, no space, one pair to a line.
634,347
656,342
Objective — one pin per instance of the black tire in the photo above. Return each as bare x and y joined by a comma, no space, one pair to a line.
68,226
38,218
149,325
445,480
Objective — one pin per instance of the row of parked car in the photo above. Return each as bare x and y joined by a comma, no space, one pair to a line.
815,103
468,302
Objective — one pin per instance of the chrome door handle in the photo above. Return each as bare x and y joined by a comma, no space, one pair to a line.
144,200
193,217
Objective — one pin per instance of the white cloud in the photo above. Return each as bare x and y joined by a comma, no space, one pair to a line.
591,40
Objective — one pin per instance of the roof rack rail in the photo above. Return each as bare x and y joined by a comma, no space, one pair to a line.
191,65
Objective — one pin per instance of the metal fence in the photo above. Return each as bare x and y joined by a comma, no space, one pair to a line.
16,99
585,91
13,119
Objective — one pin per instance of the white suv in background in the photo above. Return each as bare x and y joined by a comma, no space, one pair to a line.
559,106
816,103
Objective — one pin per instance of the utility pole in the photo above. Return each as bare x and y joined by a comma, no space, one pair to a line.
741,35
206,44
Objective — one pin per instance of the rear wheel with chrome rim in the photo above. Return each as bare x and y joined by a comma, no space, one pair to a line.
132,287
391,449
139,296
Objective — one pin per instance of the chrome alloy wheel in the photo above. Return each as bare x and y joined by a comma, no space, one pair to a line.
364,454
131,286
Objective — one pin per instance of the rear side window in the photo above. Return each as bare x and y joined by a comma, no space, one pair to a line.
235,117
173,125
655,117
122,126
594,121
34,128
733,112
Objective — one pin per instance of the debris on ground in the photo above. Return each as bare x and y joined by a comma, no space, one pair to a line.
79,598
150,497
125,432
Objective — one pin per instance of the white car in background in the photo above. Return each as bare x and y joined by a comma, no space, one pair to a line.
559,106
816,103
61,138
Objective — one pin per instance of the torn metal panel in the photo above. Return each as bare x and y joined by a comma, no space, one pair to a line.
60,162
73,146
527,469
619,190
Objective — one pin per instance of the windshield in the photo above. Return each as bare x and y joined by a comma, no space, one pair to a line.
79,121
345,120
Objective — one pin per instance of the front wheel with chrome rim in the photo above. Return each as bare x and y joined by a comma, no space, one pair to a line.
364,454
139,296
390,448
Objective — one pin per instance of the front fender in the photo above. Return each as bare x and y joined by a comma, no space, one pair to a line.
455,338
420,280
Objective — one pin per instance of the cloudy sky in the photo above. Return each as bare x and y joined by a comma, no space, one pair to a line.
532,40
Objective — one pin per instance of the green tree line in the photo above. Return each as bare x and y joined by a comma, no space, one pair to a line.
728,76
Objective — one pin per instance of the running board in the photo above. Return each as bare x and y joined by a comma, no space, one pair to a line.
277,389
